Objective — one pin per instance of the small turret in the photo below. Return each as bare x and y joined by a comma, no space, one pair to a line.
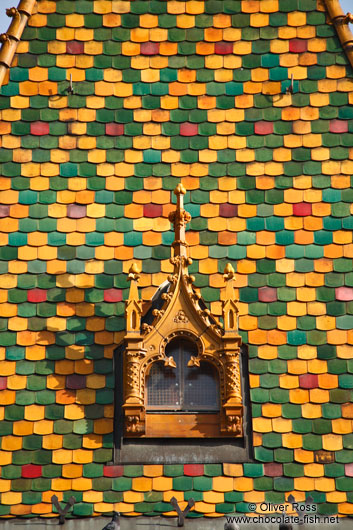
230,310
133,310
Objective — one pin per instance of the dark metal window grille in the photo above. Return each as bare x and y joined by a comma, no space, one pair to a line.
184,388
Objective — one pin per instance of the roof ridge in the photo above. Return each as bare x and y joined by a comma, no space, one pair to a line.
341,22
11,38
21,14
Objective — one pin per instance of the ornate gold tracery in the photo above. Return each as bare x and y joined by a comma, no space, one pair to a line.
182,313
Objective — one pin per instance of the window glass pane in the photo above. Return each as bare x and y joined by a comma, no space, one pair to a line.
201,390
163,385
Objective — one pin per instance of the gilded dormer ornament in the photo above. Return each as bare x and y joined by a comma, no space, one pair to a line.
181,365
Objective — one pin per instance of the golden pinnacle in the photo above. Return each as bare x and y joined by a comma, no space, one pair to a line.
180,190
134,269
134,272
229,272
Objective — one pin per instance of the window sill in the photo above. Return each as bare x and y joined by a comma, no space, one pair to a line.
182,425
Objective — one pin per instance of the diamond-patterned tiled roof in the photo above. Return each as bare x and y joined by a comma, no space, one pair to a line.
198,92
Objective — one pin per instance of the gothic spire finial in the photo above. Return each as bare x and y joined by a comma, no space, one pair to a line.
230,309
133,277
228,276
134,272
133,305
229,272
179,218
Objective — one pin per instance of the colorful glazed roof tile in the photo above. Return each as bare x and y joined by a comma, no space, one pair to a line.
107,106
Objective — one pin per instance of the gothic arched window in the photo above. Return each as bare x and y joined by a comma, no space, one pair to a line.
181,386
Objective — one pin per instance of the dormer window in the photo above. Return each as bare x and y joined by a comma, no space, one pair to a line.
181,365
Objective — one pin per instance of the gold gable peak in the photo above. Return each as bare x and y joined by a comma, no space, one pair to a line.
177,302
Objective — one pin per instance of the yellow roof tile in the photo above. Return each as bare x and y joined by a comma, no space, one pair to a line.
22,428
105,6
16,382
52,441
8,368
311,410
314,470
221,76
247,322
75,351
267,351
337,337
297,366
81,483
165,48
259,20
203,507
35,353
92,496
292,440
81,456
298,395
255,252
243,484
133,497
84,366
288,381
11,498
317,395
142,484
304,483
291,59
185,21
254,496
233,470
262,424
328,381
271,410
161,483
92,441
194,7
17,102
323,483
341,426
179,495
122,507
305,351
303,456
43,427
317,366
208,266
11,443
74,411
314,279
213,496
339,497
221,484
6,458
